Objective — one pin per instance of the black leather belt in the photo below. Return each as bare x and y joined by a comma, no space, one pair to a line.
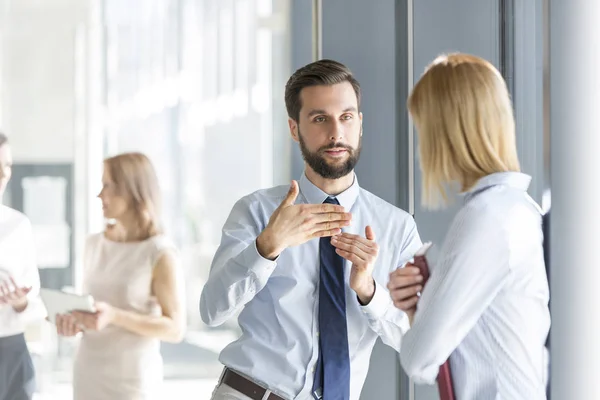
246,386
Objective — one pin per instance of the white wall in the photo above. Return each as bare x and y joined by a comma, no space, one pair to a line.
37,75
51,94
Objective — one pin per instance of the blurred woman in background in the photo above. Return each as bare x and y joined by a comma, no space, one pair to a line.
19,288
486,302
132,271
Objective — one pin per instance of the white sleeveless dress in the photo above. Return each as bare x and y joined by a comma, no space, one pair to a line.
114,363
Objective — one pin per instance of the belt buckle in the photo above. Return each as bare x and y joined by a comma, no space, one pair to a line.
318,394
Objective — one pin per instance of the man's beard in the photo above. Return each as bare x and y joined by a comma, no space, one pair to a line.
319,164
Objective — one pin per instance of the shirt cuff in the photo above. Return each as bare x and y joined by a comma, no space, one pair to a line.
259,266
379,304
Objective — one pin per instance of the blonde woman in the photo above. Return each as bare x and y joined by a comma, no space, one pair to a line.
485,305
132,272
19,286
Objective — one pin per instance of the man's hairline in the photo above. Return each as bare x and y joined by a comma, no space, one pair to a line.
356,108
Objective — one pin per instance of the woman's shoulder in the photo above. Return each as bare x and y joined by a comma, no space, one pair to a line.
161,242
10,215
160,245
499,210
95,237
17,223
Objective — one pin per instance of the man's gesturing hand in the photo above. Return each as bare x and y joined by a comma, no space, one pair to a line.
293,224
362,253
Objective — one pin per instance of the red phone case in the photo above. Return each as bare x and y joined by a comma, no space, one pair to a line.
421,263
444,379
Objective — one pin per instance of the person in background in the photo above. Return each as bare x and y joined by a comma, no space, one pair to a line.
485,305
19,288
133,273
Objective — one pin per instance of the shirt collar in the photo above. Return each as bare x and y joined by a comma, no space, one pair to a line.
516,180
314,195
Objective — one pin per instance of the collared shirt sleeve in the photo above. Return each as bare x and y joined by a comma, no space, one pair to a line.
238,272
30,277
384,318
472,269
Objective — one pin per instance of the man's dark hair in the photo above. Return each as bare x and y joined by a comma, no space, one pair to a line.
318,73
3,139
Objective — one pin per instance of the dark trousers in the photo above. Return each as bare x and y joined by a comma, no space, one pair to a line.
17,375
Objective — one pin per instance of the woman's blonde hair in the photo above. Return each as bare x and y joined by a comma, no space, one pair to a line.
135,179
463,114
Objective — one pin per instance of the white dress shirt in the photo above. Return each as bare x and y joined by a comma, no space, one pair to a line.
278,299
17,259
486,303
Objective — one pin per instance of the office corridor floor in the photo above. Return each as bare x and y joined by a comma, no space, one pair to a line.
191,368
198,389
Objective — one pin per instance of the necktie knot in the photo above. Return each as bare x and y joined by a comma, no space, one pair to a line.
331,200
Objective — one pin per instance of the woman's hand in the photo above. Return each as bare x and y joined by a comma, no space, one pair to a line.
66,325
404,286
13,295
104,316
